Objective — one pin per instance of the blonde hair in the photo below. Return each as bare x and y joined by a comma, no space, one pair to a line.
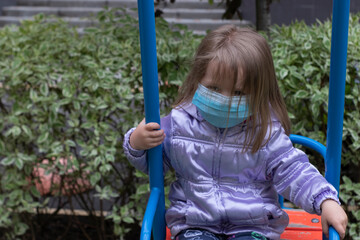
235,49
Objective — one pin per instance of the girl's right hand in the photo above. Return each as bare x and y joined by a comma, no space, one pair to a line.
146,136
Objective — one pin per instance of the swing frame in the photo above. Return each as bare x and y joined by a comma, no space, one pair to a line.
154,218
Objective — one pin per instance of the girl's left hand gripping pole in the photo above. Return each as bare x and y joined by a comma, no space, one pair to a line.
154,218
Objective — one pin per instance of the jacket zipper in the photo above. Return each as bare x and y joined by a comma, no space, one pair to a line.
217,155
216,176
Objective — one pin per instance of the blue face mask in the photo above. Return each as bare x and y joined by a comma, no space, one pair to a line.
214,107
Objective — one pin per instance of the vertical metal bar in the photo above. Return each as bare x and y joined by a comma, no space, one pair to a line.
339,42
152,108
149,214
281,201
333,235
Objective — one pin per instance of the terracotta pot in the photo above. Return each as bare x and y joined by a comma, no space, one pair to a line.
52,183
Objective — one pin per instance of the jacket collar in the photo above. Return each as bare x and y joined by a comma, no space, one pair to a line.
192,111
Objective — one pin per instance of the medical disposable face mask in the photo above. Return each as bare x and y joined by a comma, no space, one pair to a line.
214,107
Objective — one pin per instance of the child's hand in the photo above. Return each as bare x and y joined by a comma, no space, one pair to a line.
332,214
146,136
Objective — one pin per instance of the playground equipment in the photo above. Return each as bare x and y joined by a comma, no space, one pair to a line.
154,218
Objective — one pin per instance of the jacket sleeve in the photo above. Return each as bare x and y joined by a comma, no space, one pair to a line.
138,158
294,177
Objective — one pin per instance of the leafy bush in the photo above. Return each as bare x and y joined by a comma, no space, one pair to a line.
302,60
65,94
350,195
70,95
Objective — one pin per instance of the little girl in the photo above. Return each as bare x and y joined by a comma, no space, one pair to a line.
227,139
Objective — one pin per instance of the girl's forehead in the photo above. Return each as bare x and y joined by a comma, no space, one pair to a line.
219,72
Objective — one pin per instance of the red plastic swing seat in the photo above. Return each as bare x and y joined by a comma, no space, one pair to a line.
302,226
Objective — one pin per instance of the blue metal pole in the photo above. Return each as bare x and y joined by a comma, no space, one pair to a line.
149,214
152,108
339,42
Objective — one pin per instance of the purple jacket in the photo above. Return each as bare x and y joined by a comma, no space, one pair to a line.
222,189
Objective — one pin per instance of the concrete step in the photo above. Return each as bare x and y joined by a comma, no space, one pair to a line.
198,15
198,32
192,13
26,11
192,4
200,25
206,24
73,21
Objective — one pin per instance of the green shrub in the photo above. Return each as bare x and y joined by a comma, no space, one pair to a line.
350,195
65,94
302,60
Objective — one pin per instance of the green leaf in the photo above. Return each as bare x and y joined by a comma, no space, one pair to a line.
77,105
70,143
75,163
15,131
27,130
95,86
346,180
91,64
44,89
307,46
91,30
33,95
2,146
110,158
16,63
283,73
354,134
97,161
87,125
101,74
128,219
102,106
67,92
144,188
19,163
64,101
20,228
301,94
35,192
356,215
84,97
95,178
94,152
43,137
8,161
